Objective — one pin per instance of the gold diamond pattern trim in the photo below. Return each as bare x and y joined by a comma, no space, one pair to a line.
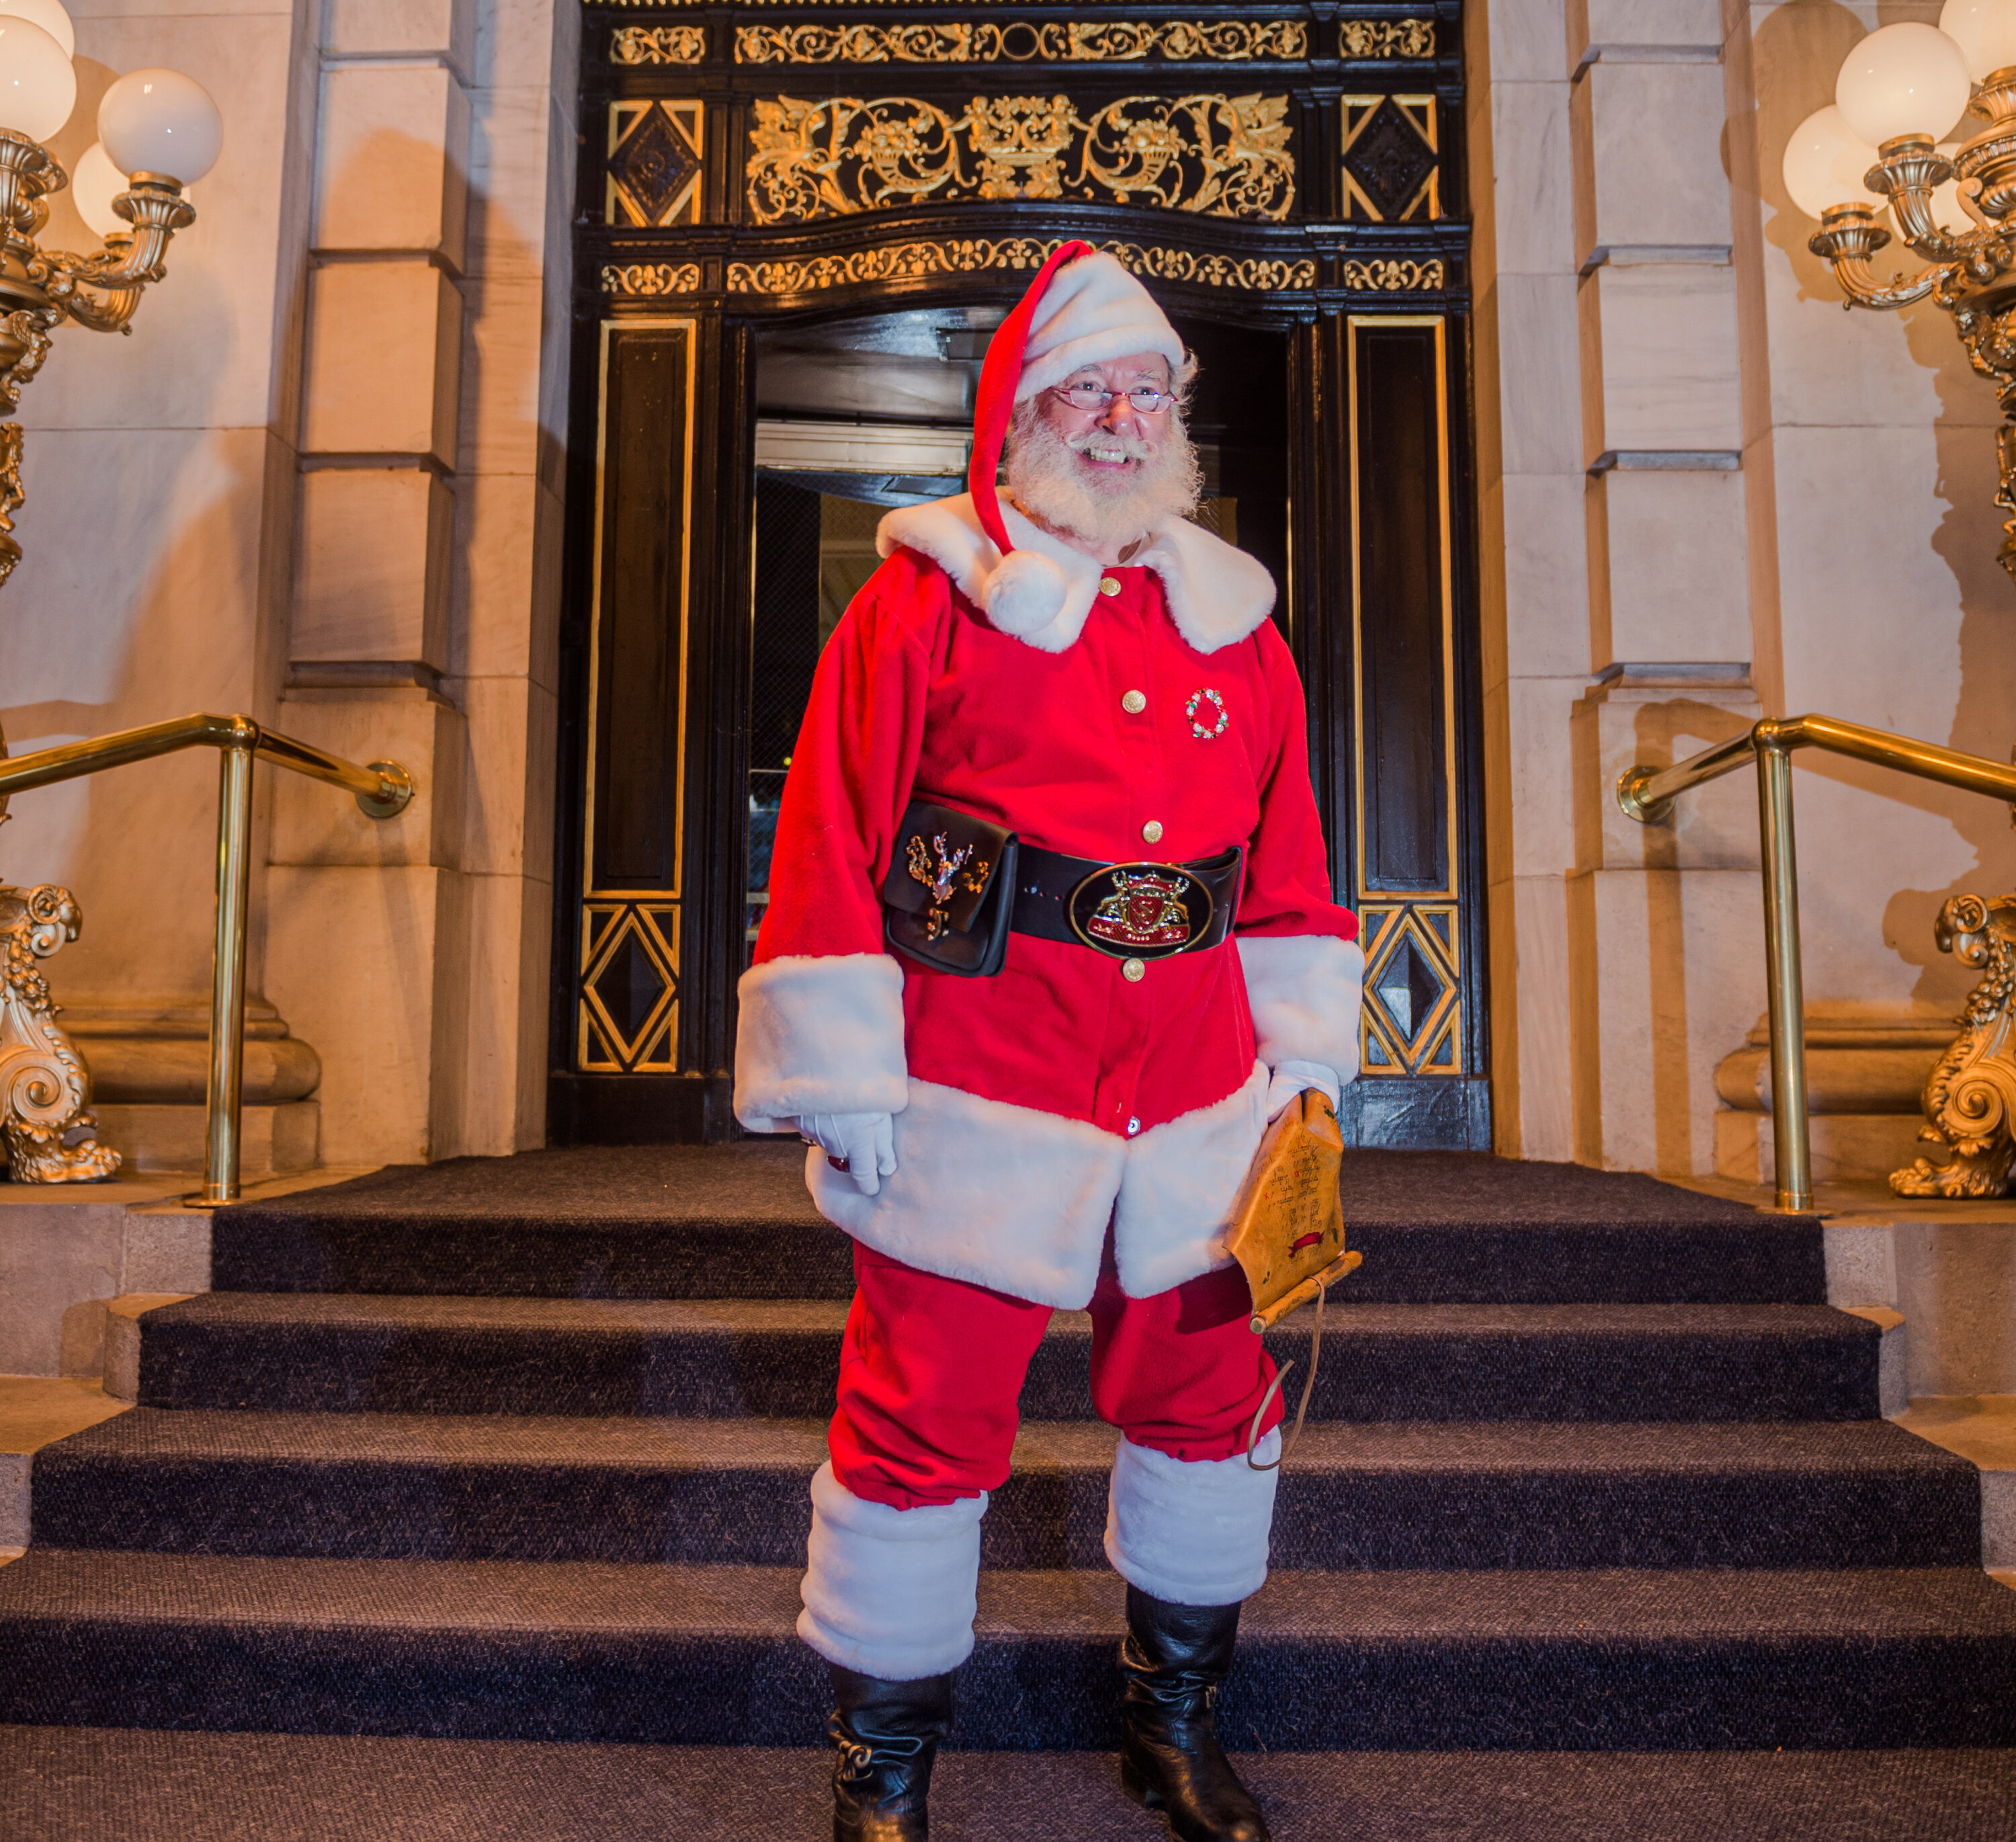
1219,155
1428,1044
655,160
966,255
651,278
658,44
1376,136
1073,41
1386,38
1394,275
603,1047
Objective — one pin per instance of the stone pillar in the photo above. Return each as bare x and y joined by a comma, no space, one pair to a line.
426,585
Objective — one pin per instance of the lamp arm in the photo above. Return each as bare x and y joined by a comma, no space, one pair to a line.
1909,169
157,210
1862,290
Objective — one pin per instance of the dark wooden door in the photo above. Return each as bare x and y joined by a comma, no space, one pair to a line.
760,189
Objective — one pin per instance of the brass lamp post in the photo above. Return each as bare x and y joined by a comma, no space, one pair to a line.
1901,92
163,130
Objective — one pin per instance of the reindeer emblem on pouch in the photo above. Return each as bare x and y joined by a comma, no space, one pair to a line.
944,880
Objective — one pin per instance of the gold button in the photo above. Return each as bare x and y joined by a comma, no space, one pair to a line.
1133,971
1133,703
1152,831
1108,586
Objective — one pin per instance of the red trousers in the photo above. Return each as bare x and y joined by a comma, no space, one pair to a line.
931,1369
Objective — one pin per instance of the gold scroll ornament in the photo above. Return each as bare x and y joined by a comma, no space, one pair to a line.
1221,156
1051,42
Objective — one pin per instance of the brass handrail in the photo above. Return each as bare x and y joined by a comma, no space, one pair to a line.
383,790
1646,794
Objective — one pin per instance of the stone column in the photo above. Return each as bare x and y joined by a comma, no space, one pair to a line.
427,583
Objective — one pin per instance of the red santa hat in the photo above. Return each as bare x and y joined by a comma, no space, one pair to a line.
1083,308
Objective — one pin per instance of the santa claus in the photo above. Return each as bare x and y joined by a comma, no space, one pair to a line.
1050,939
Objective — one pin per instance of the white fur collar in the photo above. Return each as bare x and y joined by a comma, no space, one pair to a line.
1042,592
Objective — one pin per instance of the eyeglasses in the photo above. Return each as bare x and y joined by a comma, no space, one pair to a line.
1095,399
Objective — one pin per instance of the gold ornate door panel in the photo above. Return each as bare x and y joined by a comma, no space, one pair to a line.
1288,178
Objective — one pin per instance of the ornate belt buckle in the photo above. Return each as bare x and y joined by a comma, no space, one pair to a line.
1140,911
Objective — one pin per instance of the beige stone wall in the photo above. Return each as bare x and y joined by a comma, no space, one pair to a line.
321,484
1709,493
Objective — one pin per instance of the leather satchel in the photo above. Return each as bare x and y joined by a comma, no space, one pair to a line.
1287,1234
949,894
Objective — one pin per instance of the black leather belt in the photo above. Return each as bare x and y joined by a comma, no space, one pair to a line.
1126,911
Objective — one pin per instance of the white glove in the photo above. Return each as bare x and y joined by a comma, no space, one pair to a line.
1291,1078
861,1144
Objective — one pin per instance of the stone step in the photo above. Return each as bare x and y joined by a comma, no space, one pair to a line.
145,1784
1593,1660
1504,1493
324,1353
734,1221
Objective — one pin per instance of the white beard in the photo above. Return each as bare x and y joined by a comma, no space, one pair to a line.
1048,481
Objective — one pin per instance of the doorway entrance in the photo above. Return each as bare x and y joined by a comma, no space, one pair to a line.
761,374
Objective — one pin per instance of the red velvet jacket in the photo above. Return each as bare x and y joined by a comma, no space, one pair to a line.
919,694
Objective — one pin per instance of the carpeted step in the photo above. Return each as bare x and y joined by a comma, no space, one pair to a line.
320,1353
706,1656
142,1785
734,1221
1506,1494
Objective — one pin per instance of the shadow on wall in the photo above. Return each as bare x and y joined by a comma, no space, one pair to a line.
1798,50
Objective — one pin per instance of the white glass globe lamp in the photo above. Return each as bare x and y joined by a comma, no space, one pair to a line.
1908,79
38,87
93,186
49,15
160,121
1824,165
1985,32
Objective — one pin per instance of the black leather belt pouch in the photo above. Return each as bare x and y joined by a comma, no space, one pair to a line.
947,899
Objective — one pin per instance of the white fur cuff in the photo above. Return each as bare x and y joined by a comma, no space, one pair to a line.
1305,990
819,1035
1194,1532
891,1593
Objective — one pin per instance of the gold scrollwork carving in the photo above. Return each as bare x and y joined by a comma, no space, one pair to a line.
1222,157
965,255
651,278
45,1118
1073,41
658,44
1395,275
1970,1096
1388,38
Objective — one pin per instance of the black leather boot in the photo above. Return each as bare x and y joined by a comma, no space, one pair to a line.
886,1735
1174,1658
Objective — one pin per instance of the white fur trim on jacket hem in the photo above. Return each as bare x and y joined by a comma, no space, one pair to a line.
890,1592
1043,593
819,1035
1018,1200
998,1196
1177,1194
1305,990
1192,1531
